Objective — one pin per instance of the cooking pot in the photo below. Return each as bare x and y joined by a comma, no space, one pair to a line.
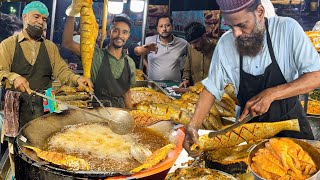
36,133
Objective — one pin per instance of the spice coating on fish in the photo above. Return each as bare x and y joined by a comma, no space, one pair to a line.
170,111
144,94
63,160
155,158
88,36
250,132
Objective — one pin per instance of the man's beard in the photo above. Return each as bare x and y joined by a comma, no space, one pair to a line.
116,46
166,36
251,45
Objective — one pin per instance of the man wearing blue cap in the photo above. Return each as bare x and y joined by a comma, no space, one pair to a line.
30,62
199,54
262,57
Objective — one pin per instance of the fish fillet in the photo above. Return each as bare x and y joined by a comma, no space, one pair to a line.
63,160
155,158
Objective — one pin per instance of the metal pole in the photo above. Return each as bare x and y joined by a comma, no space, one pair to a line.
170,12
104,22
144,25
53,17
19,11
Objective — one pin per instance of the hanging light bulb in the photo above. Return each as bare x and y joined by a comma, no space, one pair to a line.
115,6
137,5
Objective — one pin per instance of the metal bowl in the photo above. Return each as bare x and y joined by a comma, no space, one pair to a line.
314,122
313,152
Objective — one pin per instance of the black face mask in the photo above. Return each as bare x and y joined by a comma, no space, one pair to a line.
34,32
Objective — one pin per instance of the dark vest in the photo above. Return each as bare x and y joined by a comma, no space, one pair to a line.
39,77
108,89
279,110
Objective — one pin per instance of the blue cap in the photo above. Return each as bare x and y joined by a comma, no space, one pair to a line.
36,6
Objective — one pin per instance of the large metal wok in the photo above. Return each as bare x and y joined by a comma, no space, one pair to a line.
36,133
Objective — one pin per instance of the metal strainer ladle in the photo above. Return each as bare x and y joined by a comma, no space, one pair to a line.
122,123
140,152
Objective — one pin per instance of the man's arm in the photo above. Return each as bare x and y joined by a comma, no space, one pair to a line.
186,72
67,40
260,103
203,106
146,49
6,57
127,99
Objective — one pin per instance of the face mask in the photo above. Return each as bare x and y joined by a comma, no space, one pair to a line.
34,32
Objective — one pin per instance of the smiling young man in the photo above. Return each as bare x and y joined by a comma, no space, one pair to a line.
112,70
30,62
199,54
262,58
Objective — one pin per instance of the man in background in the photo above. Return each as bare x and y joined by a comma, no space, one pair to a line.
199,54
166,60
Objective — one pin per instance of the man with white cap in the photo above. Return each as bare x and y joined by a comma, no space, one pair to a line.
262,58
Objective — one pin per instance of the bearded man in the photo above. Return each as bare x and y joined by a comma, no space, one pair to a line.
112,70
168,60
269,60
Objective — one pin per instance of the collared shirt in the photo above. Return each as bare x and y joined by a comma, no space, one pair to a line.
59,67
293,51
117,66
197,63
169,60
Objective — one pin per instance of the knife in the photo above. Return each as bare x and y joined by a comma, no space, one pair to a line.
229,128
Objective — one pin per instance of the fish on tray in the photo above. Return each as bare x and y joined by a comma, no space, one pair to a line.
62,160
250,132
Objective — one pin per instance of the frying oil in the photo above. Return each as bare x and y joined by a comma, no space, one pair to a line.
101,148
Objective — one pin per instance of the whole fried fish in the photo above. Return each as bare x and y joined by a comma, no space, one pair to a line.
145,94
63,160
88,36
143,119
247,133
170,111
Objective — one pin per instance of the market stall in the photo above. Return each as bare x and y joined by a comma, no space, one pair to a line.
71,144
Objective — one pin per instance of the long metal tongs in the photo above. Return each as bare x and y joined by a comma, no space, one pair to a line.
100,103
121,124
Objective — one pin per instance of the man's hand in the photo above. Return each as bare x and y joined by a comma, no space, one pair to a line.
190,139
184,84
85,82
259,104
152,47
75,7
21,84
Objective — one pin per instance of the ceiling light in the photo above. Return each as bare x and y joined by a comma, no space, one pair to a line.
115,6
137,5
